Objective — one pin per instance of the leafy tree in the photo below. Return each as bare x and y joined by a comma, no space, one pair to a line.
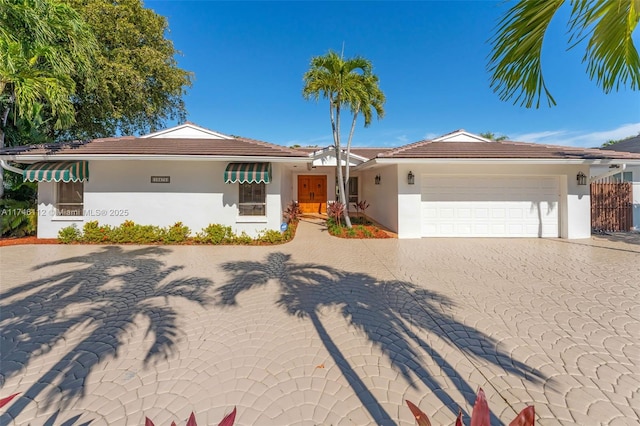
493,137
345,83
611,57
45,48
138,85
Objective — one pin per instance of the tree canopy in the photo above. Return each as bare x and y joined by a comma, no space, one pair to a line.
75,69
610,54
138,82
45,49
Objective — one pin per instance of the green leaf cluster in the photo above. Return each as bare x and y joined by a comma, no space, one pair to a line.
606,26
138,84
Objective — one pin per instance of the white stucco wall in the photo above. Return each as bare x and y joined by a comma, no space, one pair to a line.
404,216
382,198
196,196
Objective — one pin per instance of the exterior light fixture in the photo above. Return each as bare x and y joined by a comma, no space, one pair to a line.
582,178
411,179
377,179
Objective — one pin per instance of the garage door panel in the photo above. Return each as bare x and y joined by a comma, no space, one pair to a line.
525,206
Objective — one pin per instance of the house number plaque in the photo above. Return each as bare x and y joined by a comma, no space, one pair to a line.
160,179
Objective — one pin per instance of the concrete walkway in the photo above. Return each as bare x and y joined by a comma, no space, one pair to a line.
321,331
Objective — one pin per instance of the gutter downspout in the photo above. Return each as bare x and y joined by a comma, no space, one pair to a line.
6,166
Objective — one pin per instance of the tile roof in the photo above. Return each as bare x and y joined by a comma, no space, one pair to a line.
129,145
631,144
502,149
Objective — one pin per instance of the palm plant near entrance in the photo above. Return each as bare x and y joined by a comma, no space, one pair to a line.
346,83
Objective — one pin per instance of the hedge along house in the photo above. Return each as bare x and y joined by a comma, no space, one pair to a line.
184,174
462,185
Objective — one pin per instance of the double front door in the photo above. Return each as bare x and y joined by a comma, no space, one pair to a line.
312,193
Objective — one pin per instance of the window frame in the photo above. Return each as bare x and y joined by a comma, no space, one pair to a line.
252,203
71,208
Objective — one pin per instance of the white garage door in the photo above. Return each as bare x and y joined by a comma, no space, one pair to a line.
490,206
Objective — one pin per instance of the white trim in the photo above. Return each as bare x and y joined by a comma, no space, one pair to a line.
217,135
251,219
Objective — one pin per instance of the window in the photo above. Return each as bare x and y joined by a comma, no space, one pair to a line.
623,177
252,199
353,190
70,199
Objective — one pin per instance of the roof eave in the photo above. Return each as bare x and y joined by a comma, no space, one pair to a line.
575,161
165,157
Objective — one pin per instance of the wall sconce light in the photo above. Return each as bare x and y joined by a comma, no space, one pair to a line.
582,178
411,179
377,179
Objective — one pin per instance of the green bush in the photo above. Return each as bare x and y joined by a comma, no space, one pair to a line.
215,234
130,232
176,233
270,236
241,239
18,218
92,232
290,232
70,234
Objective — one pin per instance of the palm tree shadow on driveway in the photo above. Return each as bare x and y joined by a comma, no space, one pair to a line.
392,315
105,292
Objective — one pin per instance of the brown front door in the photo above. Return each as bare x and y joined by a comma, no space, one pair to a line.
312,193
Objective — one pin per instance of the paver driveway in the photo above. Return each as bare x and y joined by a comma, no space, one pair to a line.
321,331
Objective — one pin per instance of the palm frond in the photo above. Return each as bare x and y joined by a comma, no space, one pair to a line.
515,62
611,56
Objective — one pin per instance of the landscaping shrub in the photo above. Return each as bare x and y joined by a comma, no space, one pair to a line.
69,234
292,213
228,420
290,232
480,416
176,233
129,232
18,218
335,211
270,236
243,238
215,234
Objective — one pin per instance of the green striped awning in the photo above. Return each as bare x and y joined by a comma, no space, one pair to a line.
65,171
247,173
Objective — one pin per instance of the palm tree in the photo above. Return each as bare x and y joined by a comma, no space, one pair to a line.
345,83
493,137
43,44
611,57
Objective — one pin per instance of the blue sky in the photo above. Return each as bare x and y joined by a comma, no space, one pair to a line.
249,58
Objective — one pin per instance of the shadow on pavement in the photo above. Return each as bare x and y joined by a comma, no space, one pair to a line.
392,314
98,301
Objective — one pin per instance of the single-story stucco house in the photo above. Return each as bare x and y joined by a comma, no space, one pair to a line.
459,184
623,173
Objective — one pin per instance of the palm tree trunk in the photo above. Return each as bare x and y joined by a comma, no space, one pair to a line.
341,183
347,166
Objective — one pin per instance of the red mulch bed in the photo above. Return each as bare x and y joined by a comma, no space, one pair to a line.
27,240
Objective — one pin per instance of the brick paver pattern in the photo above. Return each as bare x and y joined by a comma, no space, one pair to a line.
321,331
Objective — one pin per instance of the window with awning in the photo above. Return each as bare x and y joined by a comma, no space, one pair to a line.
248,173
62,171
